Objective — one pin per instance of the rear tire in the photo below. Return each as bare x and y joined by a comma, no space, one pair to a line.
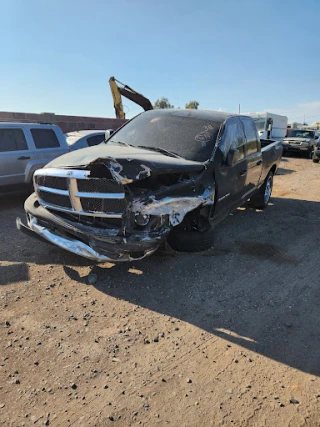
261,198
191,241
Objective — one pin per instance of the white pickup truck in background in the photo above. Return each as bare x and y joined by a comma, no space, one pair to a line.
24,148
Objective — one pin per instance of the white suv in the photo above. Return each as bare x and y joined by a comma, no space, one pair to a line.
24,148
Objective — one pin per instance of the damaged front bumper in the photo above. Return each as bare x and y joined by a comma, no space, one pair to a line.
96,244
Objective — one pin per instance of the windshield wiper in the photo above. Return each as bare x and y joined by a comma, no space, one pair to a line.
160,150
120,142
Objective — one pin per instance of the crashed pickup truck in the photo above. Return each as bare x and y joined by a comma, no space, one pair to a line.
164,175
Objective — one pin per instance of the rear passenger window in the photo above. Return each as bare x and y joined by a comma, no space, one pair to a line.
95,140
251,135
12,140
45,138
232,137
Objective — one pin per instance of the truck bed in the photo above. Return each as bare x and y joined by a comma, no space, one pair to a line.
267,142
271,153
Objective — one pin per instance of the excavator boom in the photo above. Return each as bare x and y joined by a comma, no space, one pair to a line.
126,91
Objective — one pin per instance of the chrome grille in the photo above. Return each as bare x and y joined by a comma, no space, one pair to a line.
73,191
102,205
97,185
55,199
52,182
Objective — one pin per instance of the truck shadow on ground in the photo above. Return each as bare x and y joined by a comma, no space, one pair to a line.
258,287
282,171
14,273
294,154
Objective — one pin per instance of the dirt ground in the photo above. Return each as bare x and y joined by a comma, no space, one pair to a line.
227,337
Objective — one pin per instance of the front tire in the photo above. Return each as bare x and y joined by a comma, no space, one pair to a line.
261,198
191,241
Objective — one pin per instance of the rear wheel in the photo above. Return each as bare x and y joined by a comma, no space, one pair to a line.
261,198
191,241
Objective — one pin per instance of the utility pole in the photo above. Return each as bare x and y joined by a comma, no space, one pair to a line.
239,108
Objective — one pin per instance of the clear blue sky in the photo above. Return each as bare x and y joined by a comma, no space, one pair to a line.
57,56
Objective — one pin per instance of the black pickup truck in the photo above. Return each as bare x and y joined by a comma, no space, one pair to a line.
165,175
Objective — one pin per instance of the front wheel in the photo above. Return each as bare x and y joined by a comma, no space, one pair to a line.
190,241
261,198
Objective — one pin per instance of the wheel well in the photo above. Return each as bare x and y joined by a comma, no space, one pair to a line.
273,169
196,219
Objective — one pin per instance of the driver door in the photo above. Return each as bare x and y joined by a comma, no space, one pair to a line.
230,180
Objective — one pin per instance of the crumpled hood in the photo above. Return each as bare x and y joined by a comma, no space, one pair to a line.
126,164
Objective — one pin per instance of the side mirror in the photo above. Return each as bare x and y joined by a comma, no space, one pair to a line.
233,157
108,133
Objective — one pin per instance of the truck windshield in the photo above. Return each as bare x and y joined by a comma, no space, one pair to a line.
301,134
189,135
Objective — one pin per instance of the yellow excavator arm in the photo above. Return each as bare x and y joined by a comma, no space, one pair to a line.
126,91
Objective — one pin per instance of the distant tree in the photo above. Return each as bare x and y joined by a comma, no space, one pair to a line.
162,103
193,105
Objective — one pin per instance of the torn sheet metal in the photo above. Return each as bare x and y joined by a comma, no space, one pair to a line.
126,176
116,171
144,173
175,207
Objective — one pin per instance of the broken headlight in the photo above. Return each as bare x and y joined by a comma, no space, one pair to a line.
141,219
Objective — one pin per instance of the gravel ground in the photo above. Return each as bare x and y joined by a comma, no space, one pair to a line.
230,336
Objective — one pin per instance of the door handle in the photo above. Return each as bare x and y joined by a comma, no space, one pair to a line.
242,173
23,158
259,163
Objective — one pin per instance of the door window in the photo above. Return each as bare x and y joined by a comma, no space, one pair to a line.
45,138
12,140
250,131
95,140
232,138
